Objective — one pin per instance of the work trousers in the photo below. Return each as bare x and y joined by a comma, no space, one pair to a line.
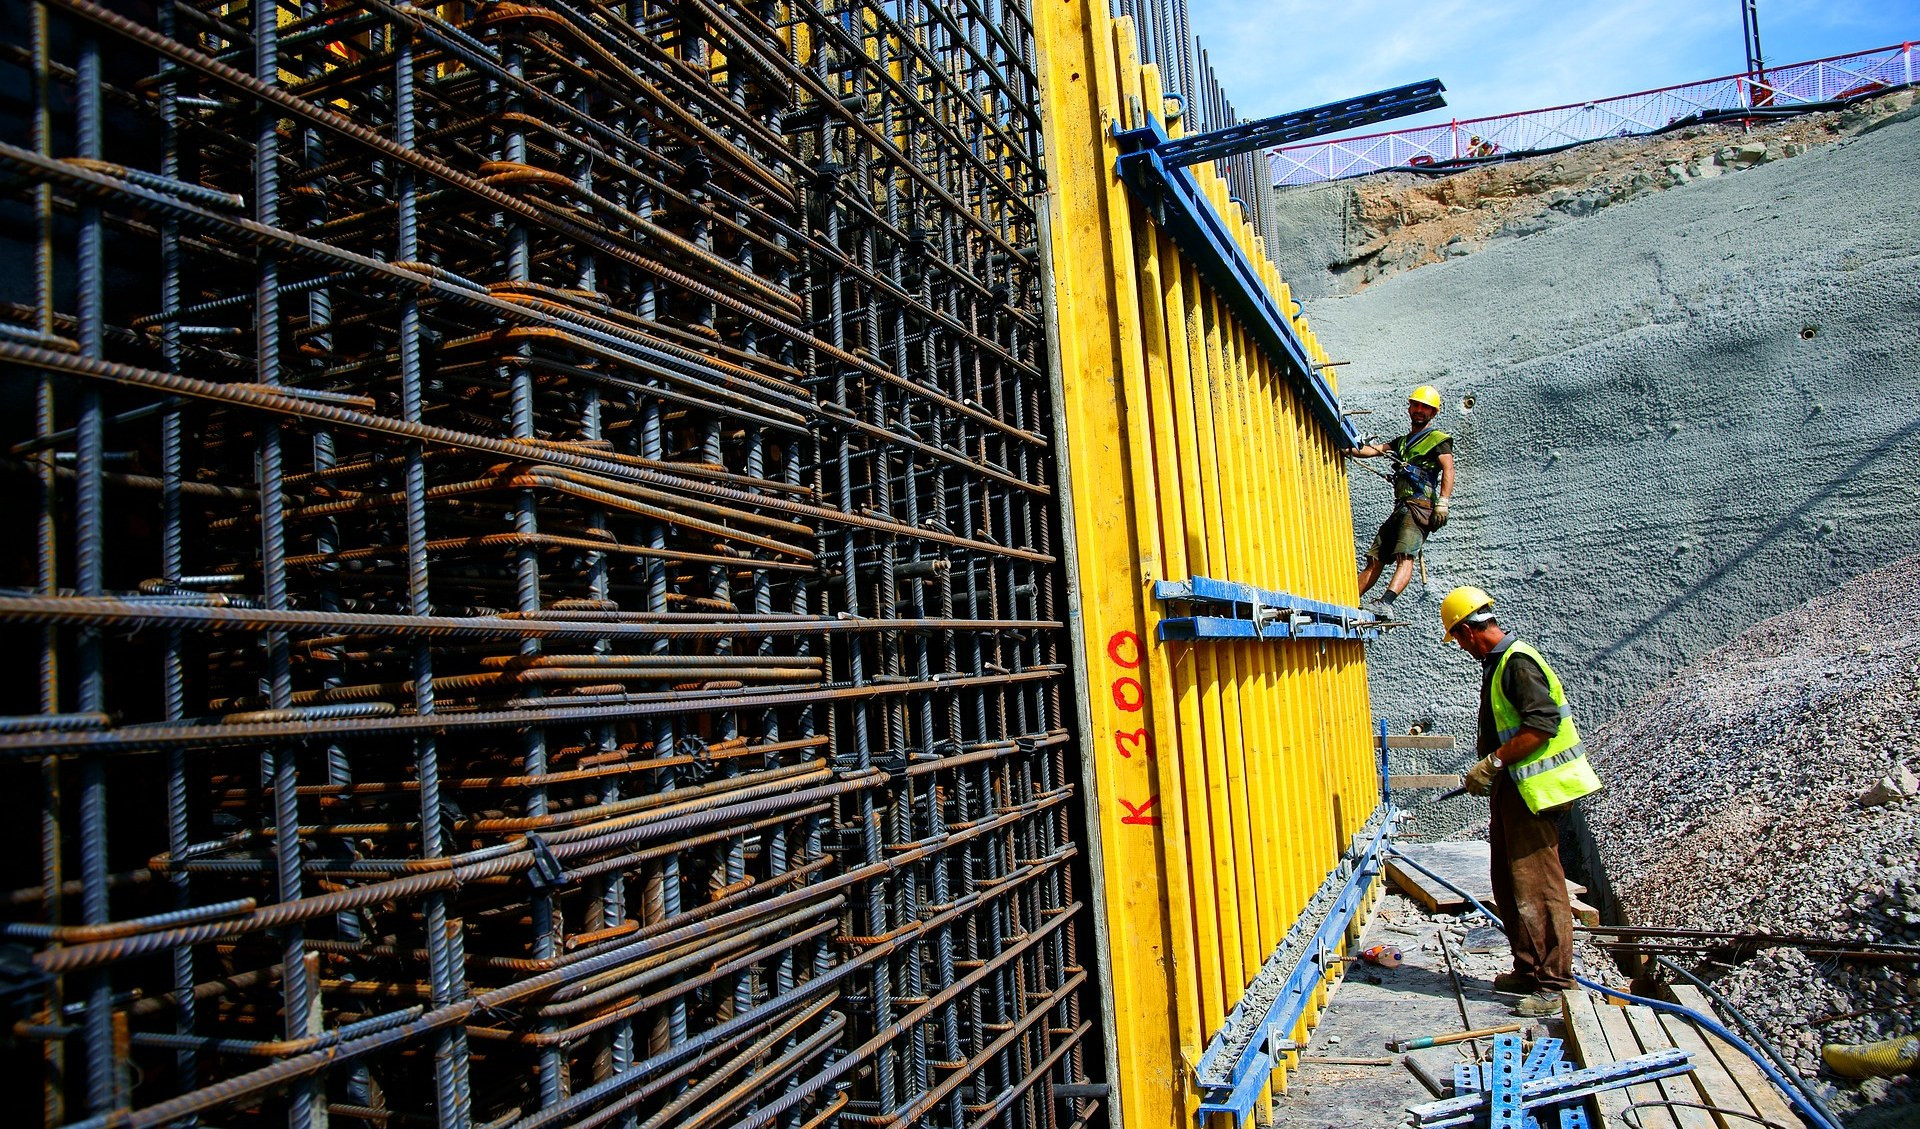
1530,888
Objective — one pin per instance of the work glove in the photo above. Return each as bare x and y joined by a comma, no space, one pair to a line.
1479,779
1439,512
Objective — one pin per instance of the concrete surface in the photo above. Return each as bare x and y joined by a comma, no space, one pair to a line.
1675,417
1374,1006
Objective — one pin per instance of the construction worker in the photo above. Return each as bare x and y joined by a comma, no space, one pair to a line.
1422,491
1531,768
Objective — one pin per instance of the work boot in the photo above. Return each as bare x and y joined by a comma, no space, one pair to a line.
1540,1005
1513,984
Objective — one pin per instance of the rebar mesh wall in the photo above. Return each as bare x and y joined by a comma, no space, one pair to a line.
533,525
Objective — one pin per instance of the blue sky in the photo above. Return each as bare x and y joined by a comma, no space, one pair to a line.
1500,56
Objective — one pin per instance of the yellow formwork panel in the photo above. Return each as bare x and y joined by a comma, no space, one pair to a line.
1224,779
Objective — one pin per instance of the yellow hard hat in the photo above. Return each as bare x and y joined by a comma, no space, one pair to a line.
1459,604
1425,394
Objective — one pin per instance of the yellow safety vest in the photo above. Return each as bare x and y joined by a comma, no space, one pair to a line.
1557,773
1414,480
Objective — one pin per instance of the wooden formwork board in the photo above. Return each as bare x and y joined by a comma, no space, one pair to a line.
1466,864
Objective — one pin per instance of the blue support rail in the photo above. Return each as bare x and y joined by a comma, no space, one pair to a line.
1247,612
1240,1057
1299,125
1174,198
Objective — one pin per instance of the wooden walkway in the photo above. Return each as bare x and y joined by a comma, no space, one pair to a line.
1722,1077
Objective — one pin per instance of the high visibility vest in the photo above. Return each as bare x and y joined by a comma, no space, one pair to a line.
1414,479
1557,772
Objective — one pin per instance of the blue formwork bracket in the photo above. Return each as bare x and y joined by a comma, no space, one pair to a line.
1466,1078
1503,1084
1239,1101
1226,609
1468,1109
1541,1060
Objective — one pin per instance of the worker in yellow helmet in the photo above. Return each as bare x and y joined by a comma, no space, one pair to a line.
1422,492
1531,768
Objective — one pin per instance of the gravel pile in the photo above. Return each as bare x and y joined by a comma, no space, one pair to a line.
1762,790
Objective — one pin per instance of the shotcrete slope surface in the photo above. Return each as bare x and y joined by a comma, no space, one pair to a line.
1735,802
1675,417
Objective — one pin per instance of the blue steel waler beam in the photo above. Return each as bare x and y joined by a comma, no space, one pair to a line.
1239,1059
1174,199
1154,169
1257,613
1299,125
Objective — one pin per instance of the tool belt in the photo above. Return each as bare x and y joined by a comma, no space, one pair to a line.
1421,510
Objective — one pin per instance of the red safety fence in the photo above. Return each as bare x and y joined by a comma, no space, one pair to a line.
1768,91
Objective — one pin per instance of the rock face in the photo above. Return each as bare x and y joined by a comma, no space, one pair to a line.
1744,795
1339,238
1675,418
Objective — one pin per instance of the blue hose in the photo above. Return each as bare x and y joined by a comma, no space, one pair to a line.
1793,1094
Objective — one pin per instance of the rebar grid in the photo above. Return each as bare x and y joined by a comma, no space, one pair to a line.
543,577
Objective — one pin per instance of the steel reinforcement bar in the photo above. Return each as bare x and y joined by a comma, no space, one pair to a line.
534,524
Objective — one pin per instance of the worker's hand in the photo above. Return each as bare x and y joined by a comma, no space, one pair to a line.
1479,779
1439,512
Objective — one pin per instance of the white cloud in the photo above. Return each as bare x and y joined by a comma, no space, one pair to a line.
1501,56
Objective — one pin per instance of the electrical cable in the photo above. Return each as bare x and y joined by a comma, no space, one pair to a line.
1808,1103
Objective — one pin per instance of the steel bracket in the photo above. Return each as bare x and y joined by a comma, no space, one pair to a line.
1256,613
1299,125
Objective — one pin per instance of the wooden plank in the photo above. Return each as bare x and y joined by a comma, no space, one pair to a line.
1716,1086
1680,1088
1400,782
1767,1100
1468,865
1419,741
1582,912
1625,1044
1589,1045
1433,897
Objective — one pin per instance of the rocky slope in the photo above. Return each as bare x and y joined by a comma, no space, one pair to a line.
1342,237
1675,417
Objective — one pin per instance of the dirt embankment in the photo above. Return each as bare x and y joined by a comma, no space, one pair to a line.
1398,222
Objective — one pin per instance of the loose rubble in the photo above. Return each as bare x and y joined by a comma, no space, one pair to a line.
1767,789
